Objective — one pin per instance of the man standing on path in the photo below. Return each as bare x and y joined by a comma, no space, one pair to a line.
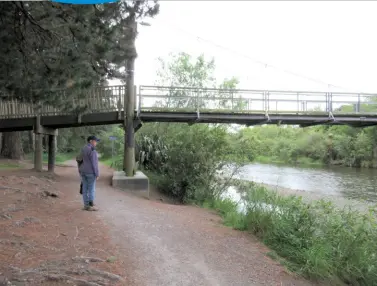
88,169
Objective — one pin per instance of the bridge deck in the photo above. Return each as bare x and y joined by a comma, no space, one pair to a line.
111,117
105,105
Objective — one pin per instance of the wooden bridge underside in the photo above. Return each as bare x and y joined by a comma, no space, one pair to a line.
248,119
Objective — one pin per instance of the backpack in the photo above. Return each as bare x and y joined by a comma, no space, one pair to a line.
79,158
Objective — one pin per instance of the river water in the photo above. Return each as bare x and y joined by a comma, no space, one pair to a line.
352,183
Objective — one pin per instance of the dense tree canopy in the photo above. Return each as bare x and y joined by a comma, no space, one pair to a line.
46,47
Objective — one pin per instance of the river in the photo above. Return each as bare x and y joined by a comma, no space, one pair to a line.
349,183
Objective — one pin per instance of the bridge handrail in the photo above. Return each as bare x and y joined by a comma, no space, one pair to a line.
173,98
255,90
198,98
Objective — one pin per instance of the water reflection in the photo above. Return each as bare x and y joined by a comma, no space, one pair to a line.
352,183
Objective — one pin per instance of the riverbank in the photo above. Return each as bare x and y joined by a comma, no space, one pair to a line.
310,197
311,237
302,161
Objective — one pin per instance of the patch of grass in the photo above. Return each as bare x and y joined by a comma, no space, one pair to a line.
107,162
59,158
9,166
63,157
269,160
228,210
316,240
302,161
117,164
111,259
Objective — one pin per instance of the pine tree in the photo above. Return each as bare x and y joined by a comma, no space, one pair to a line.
46,47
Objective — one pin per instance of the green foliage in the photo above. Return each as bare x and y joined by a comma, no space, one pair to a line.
343,145
48,46
72,139
9,166
52,53
316,240
59,157
185,158
184,71
228,209
105,147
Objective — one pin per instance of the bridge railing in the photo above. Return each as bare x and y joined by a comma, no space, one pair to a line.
96,100
179,99
164,98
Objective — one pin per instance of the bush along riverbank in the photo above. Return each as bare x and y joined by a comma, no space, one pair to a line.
318,145
316,240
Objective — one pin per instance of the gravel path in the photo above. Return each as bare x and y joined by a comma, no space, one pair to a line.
166,244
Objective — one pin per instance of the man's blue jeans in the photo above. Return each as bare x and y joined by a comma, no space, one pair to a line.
88,188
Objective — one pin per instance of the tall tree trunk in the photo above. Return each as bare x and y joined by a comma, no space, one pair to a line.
44,142
11,146
29,142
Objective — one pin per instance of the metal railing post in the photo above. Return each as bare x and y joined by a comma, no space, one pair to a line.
232,98
119,107
358,103
139,102
197,99
330,102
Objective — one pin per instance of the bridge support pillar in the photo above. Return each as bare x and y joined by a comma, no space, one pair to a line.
51,152
129,142
39,132
38,153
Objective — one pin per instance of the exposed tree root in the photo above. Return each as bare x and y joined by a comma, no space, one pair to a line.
87,259
11,189
105,274
76,272
78,282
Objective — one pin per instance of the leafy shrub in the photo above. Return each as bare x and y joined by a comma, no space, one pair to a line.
318,239
186,158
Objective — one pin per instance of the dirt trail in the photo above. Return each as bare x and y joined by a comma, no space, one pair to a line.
167,244
149,242
45,237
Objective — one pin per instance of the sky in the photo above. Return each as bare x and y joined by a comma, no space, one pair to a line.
332,42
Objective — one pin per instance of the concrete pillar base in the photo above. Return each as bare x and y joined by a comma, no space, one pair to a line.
138,183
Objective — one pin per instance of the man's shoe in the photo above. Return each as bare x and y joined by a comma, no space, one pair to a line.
86,208
93,209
